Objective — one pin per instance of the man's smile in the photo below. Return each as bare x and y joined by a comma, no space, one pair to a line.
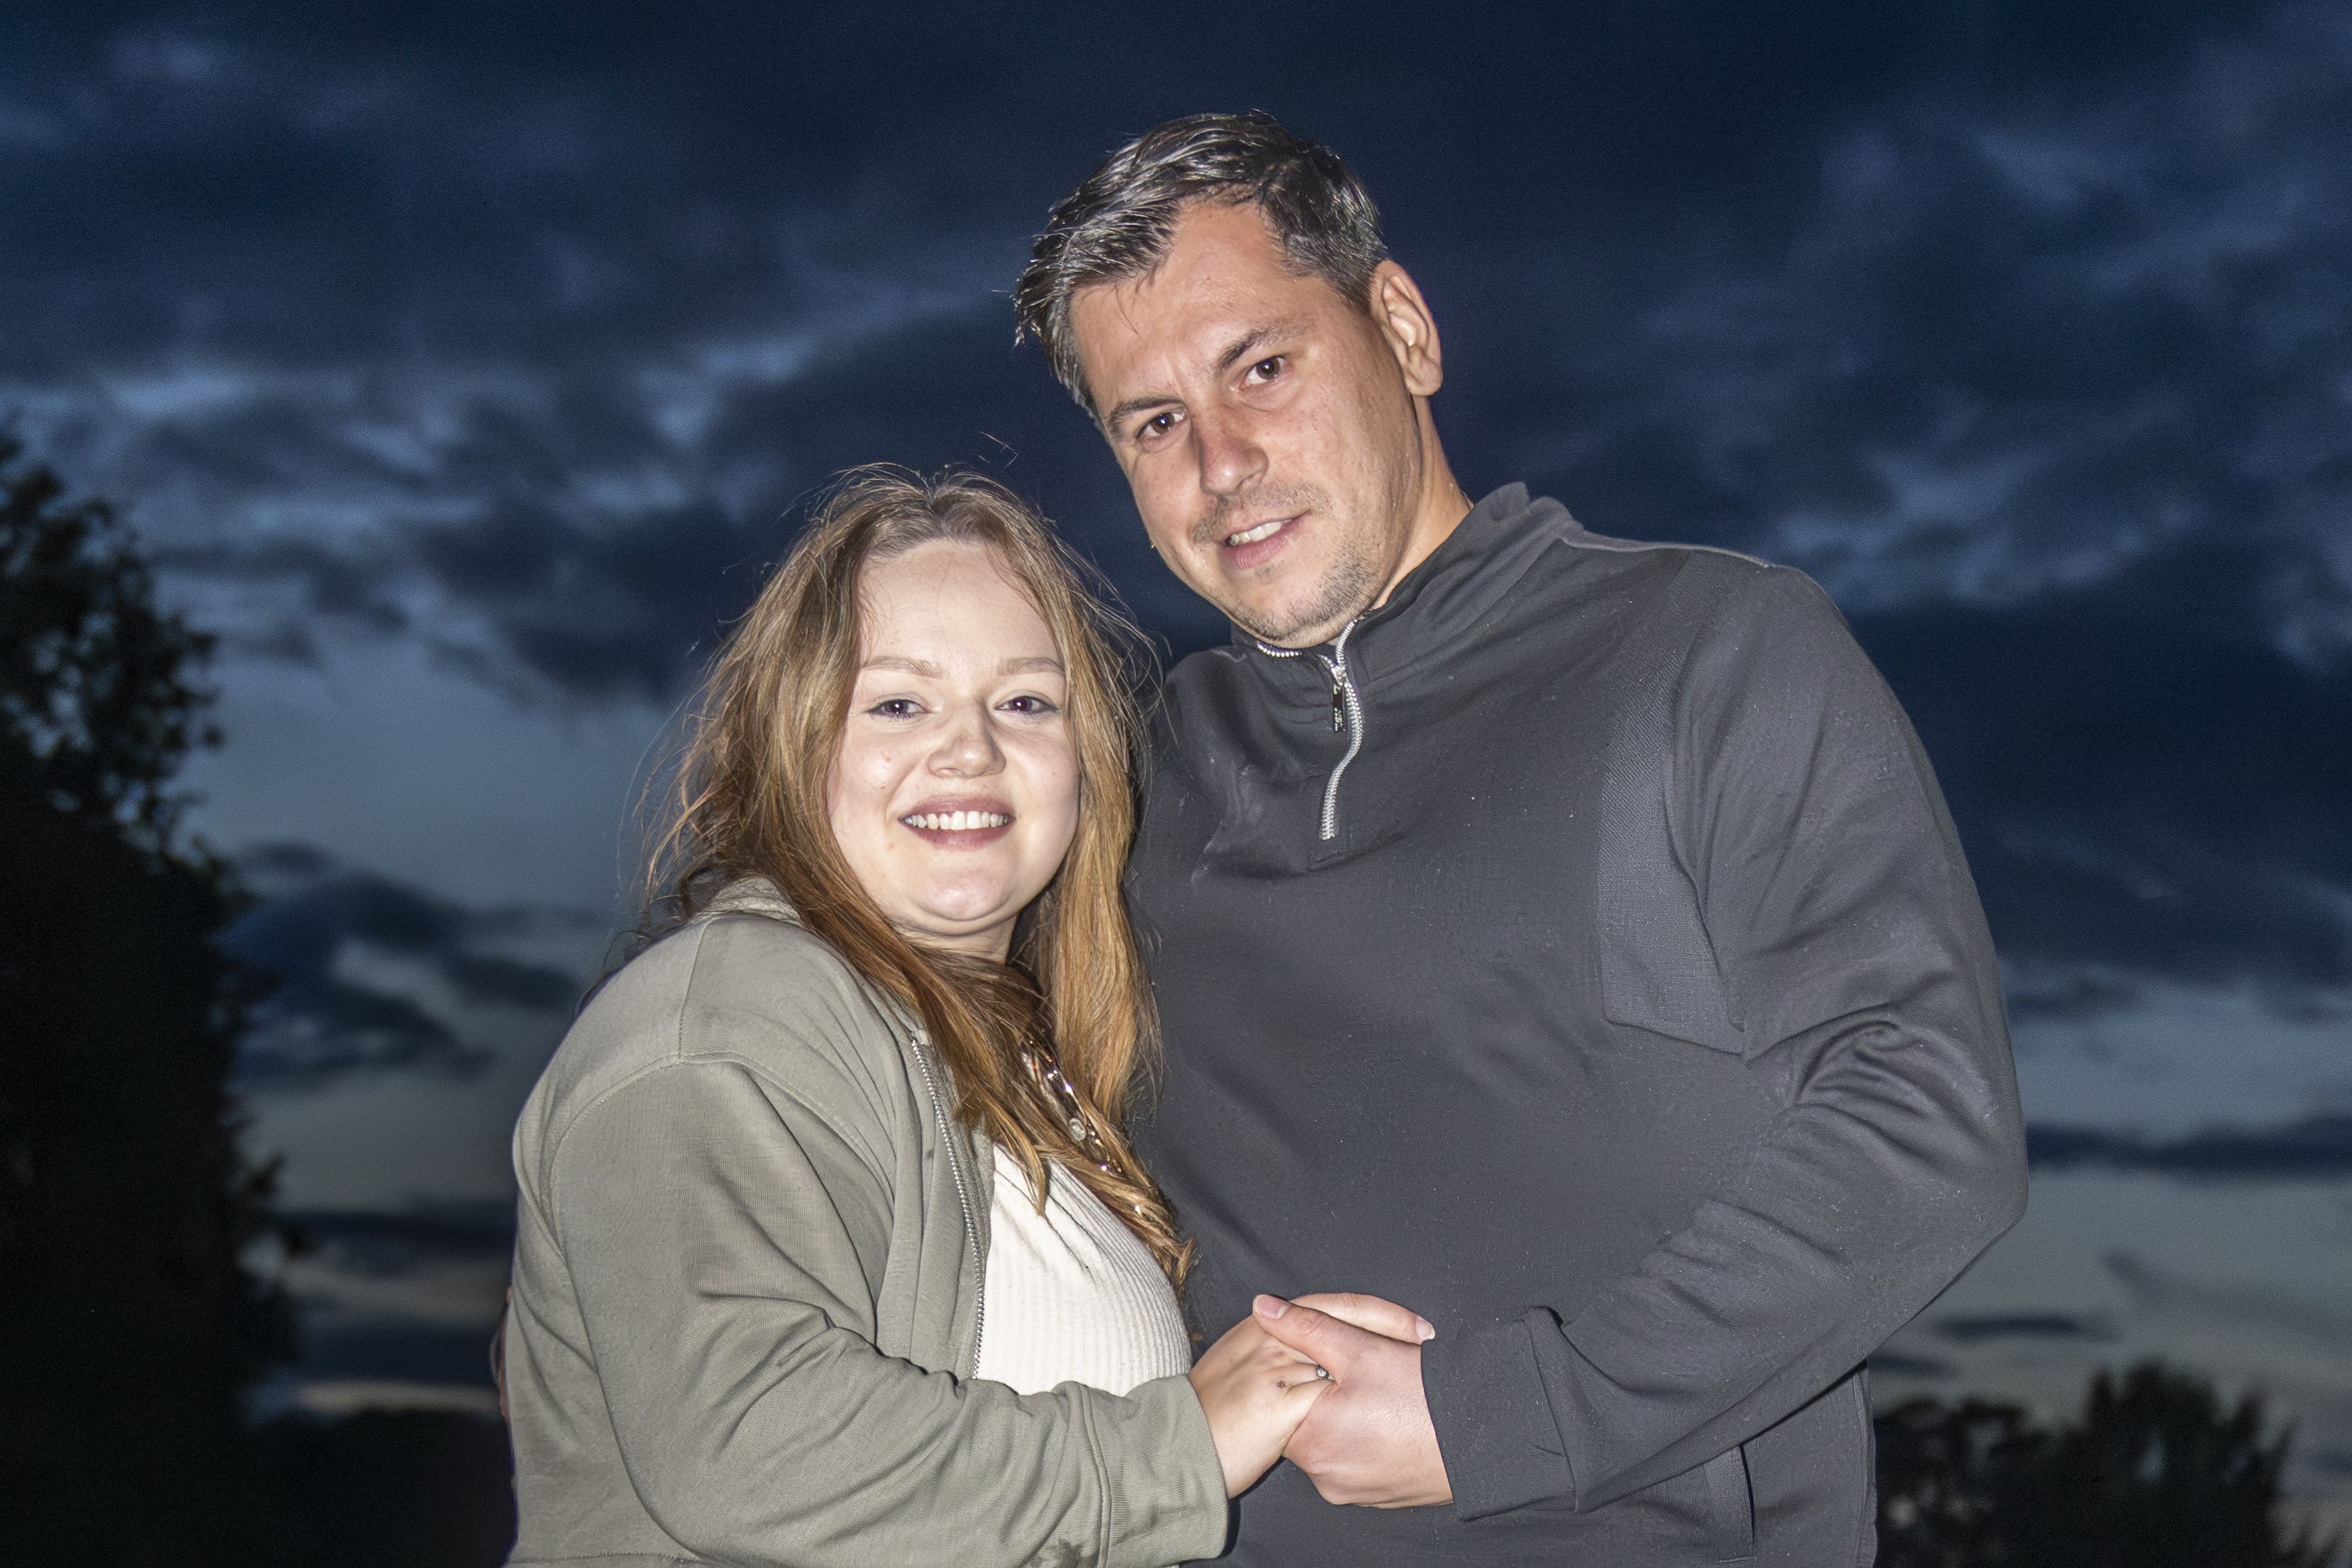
1258,543
1251,535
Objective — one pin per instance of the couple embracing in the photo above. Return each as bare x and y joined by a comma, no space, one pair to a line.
1470,1082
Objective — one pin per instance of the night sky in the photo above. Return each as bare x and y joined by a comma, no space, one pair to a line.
465,366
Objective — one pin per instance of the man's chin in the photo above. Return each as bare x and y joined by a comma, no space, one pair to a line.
1291,635
1293,625
1266,628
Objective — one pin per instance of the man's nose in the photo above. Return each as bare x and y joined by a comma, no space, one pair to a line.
968,747
1231,458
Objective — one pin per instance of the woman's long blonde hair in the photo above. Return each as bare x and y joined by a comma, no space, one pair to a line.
752,802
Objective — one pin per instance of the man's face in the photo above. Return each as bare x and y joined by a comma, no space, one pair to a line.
1264,422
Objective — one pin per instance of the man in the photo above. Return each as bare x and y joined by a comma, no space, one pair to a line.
1562,937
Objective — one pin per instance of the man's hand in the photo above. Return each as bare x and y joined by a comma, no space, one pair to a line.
1369,1441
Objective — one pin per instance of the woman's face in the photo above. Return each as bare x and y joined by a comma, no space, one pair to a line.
956,792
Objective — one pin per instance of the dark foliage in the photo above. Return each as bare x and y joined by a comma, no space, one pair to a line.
98,695
2153,1473
393,1490
129,1327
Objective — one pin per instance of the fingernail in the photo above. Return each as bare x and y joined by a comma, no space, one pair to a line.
1428,1330
1270,1306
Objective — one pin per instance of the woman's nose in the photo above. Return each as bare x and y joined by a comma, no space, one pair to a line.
968,747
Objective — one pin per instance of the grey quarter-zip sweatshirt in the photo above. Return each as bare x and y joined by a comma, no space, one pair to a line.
1579,954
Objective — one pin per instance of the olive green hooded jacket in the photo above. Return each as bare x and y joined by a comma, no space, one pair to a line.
748,1297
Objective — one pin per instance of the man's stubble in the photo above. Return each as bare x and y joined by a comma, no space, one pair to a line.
1350,581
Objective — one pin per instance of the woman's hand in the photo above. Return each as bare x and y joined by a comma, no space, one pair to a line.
1255,1391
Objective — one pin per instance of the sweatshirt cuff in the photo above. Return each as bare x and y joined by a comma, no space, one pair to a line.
1494,1427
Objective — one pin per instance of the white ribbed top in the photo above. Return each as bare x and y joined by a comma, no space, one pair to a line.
1073,1295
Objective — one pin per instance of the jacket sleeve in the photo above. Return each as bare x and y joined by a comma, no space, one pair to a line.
1853,965
722,1237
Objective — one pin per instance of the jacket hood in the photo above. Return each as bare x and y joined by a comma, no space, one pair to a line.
751,896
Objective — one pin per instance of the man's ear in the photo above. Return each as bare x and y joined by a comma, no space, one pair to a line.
1408,328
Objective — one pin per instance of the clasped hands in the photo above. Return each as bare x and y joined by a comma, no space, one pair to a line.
1362,1435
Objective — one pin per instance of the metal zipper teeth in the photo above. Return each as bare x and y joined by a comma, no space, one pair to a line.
963,1195
1343,686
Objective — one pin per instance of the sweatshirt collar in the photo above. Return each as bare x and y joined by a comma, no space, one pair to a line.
1439,602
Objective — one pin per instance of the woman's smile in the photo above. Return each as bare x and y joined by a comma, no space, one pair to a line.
961,823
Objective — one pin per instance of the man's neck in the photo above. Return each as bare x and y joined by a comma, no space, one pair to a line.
1441,506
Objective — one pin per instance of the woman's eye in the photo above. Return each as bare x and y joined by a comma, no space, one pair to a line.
1031,705
894,707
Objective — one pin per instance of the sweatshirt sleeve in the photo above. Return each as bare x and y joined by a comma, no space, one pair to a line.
1856,971
721,1236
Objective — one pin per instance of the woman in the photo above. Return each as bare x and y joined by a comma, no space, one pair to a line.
785,1291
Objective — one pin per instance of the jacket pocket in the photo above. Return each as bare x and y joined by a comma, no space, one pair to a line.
1731,1507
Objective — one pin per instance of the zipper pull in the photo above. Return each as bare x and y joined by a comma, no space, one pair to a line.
1338,709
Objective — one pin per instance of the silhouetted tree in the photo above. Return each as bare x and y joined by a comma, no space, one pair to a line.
1945,1481
394,1488
2153,1473
129,1328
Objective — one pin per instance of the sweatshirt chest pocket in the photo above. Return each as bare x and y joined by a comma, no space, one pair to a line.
1659,968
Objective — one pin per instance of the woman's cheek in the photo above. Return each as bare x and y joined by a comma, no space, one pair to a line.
1065,799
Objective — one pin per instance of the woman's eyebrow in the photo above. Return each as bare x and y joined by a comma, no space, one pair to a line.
1023,665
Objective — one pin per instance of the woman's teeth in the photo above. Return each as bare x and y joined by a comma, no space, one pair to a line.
955,821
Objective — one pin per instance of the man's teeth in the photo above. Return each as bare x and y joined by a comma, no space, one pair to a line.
1263,530
955,821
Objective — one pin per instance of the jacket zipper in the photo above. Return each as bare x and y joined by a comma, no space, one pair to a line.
963,1195
1347,708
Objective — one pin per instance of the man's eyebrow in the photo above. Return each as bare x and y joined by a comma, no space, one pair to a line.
1249,341
1134,406
1256,337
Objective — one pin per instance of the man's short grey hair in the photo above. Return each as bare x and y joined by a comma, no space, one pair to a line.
1118,223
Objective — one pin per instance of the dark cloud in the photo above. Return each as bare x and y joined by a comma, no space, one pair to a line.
391,1245
1971,1331
2314,1148
315,1029
311,931
2067,996
338,583
2246,1308
359,1274
615,597
2146,783
630,289
395,1350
